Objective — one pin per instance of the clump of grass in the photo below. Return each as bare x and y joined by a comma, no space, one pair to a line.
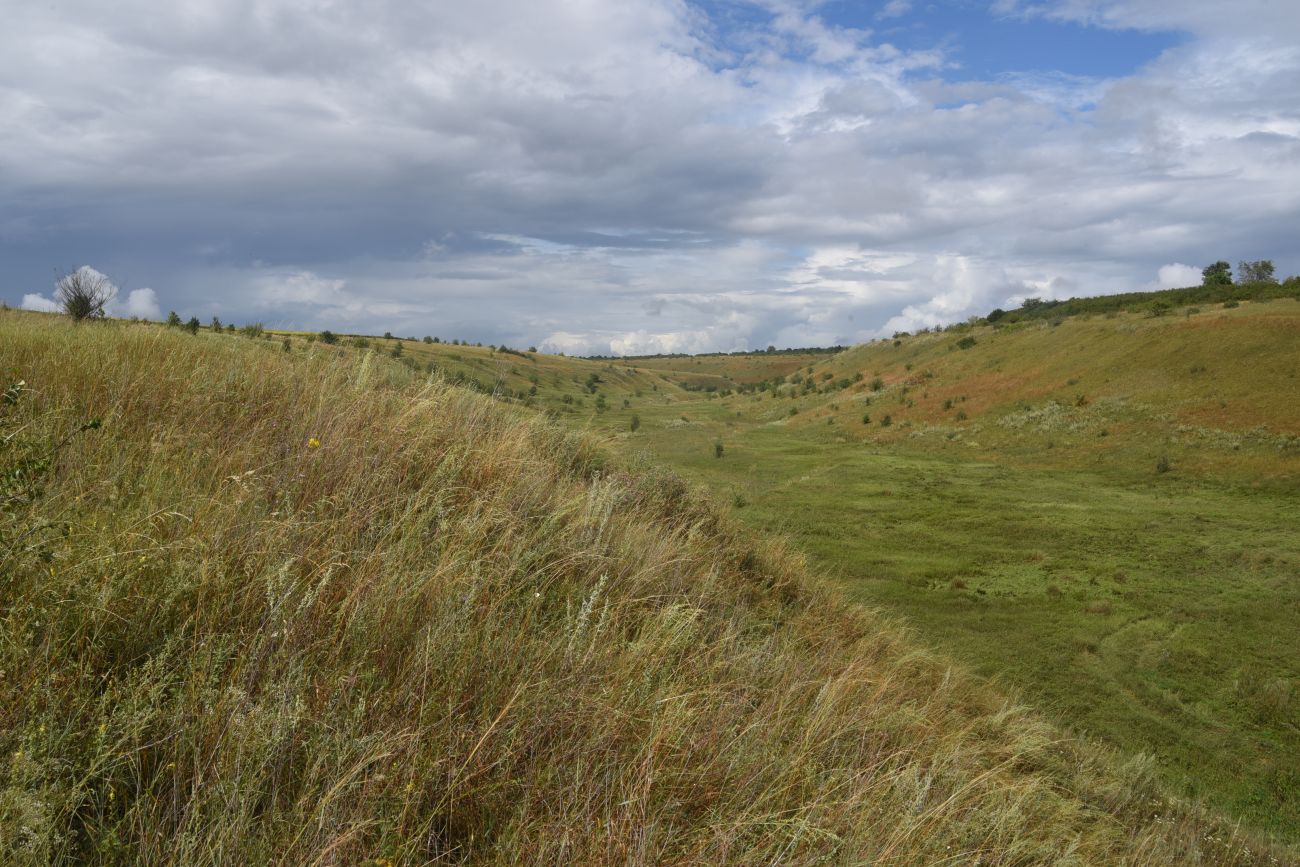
309,612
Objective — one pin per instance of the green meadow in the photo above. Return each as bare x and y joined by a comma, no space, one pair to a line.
296,603
1100,511
1111,525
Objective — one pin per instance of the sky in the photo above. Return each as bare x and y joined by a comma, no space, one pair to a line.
640,176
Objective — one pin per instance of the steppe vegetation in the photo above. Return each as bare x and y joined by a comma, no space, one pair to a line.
316,607
1099,510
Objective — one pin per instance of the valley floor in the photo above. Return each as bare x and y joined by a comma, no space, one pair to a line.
1157,615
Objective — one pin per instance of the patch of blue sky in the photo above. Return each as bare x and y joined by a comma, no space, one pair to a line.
980,43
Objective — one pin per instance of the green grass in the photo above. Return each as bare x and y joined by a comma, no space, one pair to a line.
310,607
1187,654
1153,610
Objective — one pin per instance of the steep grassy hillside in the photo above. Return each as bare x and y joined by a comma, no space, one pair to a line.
1014,511
729,370
1214,391
311,608
553,382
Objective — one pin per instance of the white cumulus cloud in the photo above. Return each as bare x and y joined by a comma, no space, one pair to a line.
1177,276
140,303
36,301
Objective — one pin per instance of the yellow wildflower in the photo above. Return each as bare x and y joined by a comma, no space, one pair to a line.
313,443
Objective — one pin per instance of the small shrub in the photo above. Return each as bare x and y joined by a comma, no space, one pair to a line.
966,342
866,418
877,384
1162,465
717,449
173,320
1230,303
83,294
330,338
634,423
961,415
193,325
886,421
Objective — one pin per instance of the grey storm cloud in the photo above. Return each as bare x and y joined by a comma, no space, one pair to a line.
624,177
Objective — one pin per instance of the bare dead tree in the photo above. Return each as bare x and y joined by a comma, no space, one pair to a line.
84,293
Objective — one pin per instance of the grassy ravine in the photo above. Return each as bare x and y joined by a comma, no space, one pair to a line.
452,632
1014,514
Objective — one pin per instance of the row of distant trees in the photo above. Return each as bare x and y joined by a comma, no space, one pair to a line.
1220,273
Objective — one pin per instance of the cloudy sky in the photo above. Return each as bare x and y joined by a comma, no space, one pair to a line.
636,176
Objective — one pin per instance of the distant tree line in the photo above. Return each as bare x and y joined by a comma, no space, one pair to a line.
1256,281
771,350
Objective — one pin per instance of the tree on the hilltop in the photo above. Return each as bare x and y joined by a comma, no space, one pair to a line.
173,320
1260,271
1218,274
328,337
216,325
995,314
193,325
84,293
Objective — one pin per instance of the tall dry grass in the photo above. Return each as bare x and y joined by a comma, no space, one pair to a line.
453,633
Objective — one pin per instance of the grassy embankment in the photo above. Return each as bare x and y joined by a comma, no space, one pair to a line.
1014,513
309,608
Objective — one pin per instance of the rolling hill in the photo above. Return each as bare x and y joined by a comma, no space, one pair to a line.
316,606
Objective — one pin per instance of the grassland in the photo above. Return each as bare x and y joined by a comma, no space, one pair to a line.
1014,512
1098,510
311,607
